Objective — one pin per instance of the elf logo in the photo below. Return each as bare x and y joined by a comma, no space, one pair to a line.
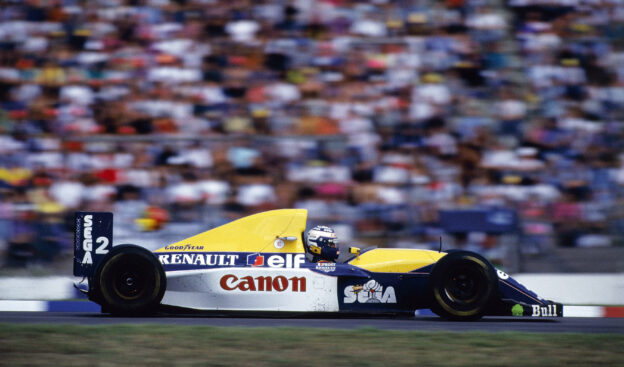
232,259
255,260
87,241
276,261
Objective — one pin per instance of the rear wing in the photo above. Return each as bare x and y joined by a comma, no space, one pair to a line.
93,238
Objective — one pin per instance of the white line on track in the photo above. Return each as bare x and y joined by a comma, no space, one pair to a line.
31,306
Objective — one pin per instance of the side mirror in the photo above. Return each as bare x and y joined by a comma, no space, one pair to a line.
289,238
355,250
279,241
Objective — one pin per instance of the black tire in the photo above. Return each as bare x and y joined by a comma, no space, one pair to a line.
128,281
462,286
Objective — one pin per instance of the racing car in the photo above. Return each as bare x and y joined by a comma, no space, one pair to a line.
259,264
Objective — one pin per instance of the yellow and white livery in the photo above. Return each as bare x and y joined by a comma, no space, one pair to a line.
259,264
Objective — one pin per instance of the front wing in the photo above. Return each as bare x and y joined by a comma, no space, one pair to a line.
517,300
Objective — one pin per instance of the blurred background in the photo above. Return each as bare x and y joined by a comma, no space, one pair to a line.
496,125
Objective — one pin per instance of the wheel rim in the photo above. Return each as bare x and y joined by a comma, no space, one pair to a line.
130,279
128,285
464,286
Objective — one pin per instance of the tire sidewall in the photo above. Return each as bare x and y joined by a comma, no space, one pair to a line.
443,305
103,290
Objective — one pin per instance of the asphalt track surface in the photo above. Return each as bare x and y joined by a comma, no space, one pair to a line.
426,323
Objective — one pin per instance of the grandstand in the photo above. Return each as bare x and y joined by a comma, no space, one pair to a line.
379,117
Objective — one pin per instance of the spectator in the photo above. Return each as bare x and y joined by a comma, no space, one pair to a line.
372,114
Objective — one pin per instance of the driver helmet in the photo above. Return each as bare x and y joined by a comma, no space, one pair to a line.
322,243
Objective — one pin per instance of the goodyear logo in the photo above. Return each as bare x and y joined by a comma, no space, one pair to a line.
187,247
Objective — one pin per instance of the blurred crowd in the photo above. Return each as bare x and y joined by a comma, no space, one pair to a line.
374,115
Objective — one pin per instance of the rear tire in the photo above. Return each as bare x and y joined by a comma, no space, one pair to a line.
129,281
462,286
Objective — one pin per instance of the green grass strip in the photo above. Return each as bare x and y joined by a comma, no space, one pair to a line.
162,345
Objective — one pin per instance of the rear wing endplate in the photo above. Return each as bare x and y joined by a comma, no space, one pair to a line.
93,238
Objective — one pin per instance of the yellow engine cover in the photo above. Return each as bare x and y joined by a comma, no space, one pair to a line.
386,260
255,233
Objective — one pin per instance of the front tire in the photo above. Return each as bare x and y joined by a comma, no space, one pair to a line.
129,281
462,286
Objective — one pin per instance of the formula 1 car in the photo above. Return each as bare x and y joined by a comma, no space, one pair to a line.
258,264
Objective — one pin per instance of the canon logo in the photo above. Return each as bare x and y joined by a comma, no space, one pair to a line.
279,283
